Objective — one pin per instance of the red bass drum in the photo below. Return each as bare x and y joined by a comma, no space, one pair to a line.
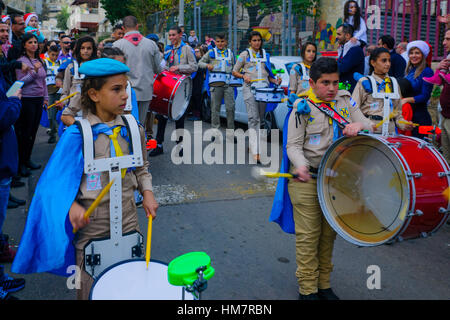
375,190
171,94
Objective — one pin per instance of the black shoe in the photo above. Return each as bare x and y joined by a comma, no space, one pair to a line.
16,183
24,171
156,152
327,294
20,202
312,296
6,296
10,284
12,205
33,166
52,139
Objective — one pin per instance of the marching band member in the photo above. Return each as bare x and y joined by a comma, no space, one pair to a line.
253,66
179,58
299,75
371,107
52,65
309,133
220,59
85,50
46,245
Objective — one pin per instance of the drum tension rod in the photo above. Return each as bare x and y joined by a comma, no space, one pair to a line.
414,175
443,210
417,213
443,174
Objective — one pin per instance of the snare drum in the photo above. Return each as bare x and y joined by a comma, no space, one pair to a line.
270,95
374,189
235,82
171,94
131,280
218,79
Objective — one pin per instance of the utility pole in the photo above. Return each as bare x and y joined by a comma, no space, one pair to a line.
283,30
235,48
181,13
230,21
290,28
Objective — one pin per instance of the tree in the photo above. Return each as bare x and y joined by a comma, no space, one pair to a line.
115,9
62,18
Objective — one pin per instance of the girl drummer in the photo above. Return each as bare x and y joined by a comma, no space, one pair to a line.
373,108
299,75
85,50
253,66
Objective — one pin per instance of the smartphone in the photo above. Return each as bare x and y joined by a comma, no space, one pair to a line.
16,86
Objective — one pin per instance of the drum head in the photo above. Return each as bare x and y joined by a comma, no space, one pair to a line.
180,98
363,190
131,280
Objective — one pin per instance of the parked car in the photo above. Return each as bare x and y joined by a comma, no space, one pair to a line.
281,66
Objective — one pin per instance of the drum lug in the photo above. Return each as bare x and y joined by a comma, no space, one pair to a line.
417,213
443,174
443,210
424,234
136,251
394,145
423,144
414,175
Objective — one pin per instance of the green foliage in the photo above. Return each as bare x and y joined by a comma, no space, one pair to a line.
115,9
62,18
436,92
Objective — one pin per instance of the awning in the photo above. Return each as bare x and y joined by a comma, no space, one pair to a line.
79,2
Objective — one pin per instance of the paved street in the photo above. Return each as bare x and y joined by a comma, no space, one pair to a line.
224,211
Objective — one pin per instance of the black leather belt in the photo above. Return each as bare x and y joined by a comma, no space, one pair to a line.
377,118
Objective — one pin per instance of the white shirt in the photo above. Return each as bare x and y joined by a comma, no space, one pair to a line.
361,33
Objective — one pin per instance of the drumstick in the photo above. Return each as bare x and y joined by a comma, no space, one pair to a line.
446,193
62,100
257,80
259,173
379,124
96,202
410,123
149,240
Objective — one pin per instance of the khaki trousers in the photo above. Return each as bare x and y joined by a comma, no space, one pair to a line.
143,107
86,281
217,94
314,238
255,112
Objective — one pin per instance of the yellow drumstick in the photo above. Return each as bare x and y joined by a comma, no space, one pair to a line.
257,80
410,123
96,202
391,115
149,240
62,100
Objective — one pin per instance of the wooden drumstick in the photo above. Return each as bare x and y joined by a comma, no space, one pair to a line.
391,115
410,123
96,202
149,240
62,100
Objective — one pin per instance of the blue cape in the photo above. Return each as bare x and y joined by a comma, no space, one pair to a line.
46,243
282,206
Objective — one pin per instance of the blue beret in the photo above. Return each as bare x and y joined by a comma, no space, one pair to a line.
153,37
103,67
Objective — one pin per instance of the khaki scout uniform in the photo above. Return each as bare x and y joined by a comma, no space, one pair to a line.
299,82
307,142
373,108
71,84
224,92
99,226
249,66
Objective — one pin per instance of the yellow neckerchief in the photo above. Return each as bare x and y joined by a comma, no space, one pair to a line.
387,80
116,145
254,53
309,67
312,96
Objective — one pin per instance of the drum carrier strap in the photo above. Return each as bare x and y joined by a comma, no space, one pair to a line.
102,253
387,97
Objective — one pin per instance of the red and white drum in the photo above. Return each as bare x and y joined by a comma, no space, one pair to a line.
171,94
374,189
